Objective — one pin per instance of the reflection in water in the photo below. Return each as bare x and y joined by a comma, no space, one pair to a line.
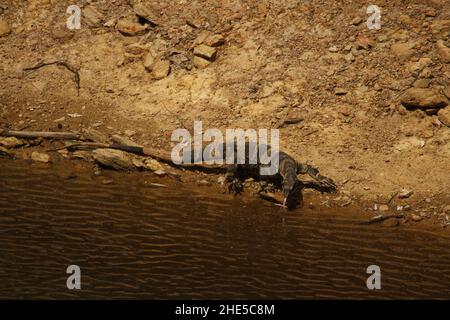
133,240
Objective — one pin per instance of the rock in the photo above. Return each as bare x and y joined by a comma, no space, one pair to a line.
5,153
405,193
152,165
201,63
390,223
421,83
447,91
423,99
403,51
340,91
144,11
95,136
129,133
92,17
364,43
446,209
204,183
114,159
416,218
440,29
130,28
444,116
345,110
430,12
40,157
356,21
405,19
149,60
417,67
383,207
444,51
214,40
204,51
107,181
160,173
124,141
161,69
5,29
138,163
11,142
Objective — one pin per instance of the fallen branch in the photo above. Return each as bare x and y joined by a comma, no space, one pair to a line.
41,134
59,63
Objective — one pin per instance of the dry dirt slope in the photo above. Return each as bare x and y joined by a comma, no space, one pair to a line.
362,105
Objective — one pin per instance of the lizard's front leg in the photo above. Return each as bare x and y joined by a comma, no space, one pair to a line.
232,180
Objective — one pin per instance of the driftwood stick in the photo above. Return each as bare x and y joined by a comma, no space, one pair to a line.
41,134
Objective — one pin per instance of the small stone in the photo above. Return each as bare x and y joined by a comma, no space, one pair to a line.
130,28
206,52
40,157
423,98
149,60
130,133
201,63
405,193
383,207
340,91
153,165
221,180
114,159
447,91
5,153
161,69
416,218
421,83
92,16
204,183
356,21
160,173
95,136
444,51
107,181
404,51
11,142
390,223
444,116
5,29
214,40
430,12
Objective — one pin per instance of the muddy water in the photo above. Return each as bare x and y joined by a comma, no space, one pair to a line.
135,240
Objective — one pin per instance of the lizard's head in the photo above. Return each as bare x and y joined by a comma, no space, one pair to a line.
291,192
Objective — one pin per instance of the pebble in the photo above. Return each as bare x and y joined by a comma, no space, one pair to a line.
404,51
416,218
444,51
206,52
383,207
160,173
200,62
161,69
11,142
423,98
114,159
444,116
130,28
149,60
5,29
107,181
40,157
405,193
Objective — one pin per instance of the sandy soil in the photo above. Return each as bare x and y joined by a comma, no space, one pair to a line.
335,89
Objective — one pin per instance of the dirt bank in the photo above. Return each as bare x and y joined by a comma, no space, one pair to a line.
369,108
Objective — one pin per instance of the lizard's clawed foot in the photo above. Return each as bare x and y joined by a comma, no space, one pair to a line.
327,184
235,186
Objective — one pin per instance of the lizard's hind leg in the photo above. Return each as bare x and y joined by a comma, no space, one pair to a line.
232,180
